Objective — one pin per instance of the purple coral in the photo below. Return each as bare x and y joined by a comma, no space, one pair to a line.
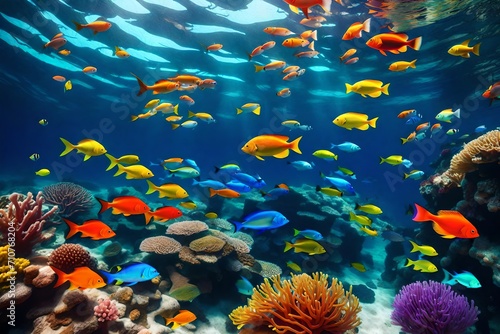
69,197
432,308
105,310
24,221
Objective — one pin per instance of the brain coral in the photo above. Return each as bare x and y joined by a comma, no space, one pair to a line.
188,227
207,244
67,257
160,245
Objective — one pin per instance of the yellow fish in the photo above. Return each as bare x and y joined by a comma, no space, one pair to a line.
463,49
190,205
168,190
206,117
363,220
309,246
64,52
125,159
368,208
249,108
399,66
211,215
426,250
145,115
134,172
358,266
120,53
392,160
325,154
329,191
167,108
354,120
43,172
422,266
372,88
173,118
294,266
68,86
89,147
151,104
369,231
271,145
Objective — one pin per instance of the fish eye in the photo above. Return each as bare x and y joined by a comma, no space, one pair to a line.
98,281
473,231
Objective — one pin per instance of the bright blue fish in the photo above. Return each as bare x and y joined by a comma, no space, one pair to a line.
209,184
244,286
238,186
229,168
309,234
340,184
249,180
191,163
465,278
414,119
341,173
407,163
301,165
480,129
262,220
346,147
130,273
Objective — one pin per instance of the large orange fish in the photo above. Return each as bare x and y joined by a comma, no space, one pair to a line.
183,318
449,224
126,205
271,145
163,214
278,31
96,26
93,228
161,86
393,42
80,278
304,5
226,192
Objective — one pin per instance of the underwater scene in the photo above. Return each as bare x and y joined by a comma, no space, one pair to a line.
250,166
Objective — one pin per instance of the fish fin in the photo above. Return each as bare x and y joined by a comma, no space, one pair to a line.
396,52
288,246
119,282
259,157
375,94
148,216
455,214
404,48
404,141
73,228
305,10
383,52
311,46
113,161
475,49
133,118
68,147
466,55
61,276
421,214
120,170
238,111
366,25
116,211
457,113
348,88
447,276
174,126
385,89
142,86
373,122
415,43
191,114
176,325
465,43
439,230
295,146
151,187
78,26
86,157
258,68
363,127
256,111
237,225
415,246
409,262
295,232
104,205
212,192
412,64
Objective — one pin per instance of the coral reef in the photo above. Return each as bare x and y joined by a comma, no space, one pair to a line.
105,310
488,254
187,227
10,270
305,304
25,221
69,197
160,245
432,308
69,256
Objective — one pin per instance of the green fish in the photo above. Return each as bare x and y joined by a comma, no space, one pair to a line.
423,266
311,247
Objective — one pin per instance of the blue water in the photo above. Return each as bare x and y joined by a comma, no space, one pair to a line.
100,105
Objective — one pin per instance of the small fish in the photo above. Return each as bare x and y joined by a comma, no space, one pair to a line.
423,249
392,160
43,122
347,54
120,53
163,214
407,163
368,208
371,88
211,215
369,231
358,266
271,145
68,86
346,147
285,92
88,147
262,220
311,247
229,168
136,172
126,205
339,183
465,278
301,165
206,117
43,172
93,228
249,180
35,156
190,205
152,103
399,66
244,286
294,266
226,193
351,61
447,115
89,69
56,42
80,278
413,119
480,129
422,266
410,138
414,175
214,47
64,52
189,124
183,318
308,234
168,190
238,186
173,118
354,120
451,132
329,191
278,31
346,172
393,42
363,220
275,65
186,99
356,29
184,172
217,185
291,124
463,49
130,273
96,26
278,191
407,113
249,108
325,154
392,236
125,159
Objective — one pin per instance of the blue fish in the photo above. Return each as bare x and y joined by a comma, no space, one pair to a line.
414,119
341,173
249,180
275,193
130,273
309,234
238,186
480,129
301,165
340,184
191,163
407,163
347,147
262,220
465,278
209,184
244,286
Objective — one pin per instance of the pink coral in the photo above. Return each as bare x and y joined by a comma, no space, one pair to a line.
25,220
106,310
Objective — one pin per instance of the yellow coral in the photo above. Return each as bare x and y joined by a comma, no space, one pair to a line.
6,272
303,305
484,149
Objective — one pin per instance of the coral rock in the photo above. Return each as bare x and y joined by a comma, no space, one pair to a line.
123,295
188,227
44,278
207,244
134,314
160,245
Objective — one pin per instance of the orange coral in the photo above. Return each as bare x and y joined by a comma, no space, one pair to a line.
302,305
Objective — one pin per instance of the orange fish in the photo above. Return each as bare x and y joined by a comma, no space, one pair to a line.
407,113
93,228
295,42
304,5
213,47
271,145
492,93
423,127
351,61
285,92
187,99
163,214
306,54
207,83
411,137
161,86
393,42
356,29
311,23
226,192
309,34
186,79
64,52
183,318
255,52
347,54
278,31
271,66
89,69
291,76
268,45
55,43
80,278
96,26
449,224
59,78
126,205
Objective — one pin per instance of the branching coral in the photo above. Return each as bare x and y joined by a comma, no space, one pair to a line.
69,197
485,149
302,305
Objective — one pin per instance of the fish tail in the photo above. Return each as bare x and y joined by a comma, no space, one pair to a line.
151,187
212,192
68,147
295,232
78,26
373,121
406,175
112,160
104,205
120,170
191,114
318,188
314,35
142,85
412,64
415,43
237,226
311,46
382,160
73,228
176,109
133,118
175,326
174,126
356,206
348,88
116,49
352,216
238,111
366,25
326,5
447,278
475,49
415,246
457,113
421,214
404,141
409,262
295,145
288,246
217,169
258,68
385,89
62,277
148,215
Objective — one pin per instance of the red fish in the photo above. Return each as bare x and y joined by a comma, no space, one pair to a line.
493,92
80,278
55,43
304,5
393,42
207,83
163,214
126,205
93,228
449,224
